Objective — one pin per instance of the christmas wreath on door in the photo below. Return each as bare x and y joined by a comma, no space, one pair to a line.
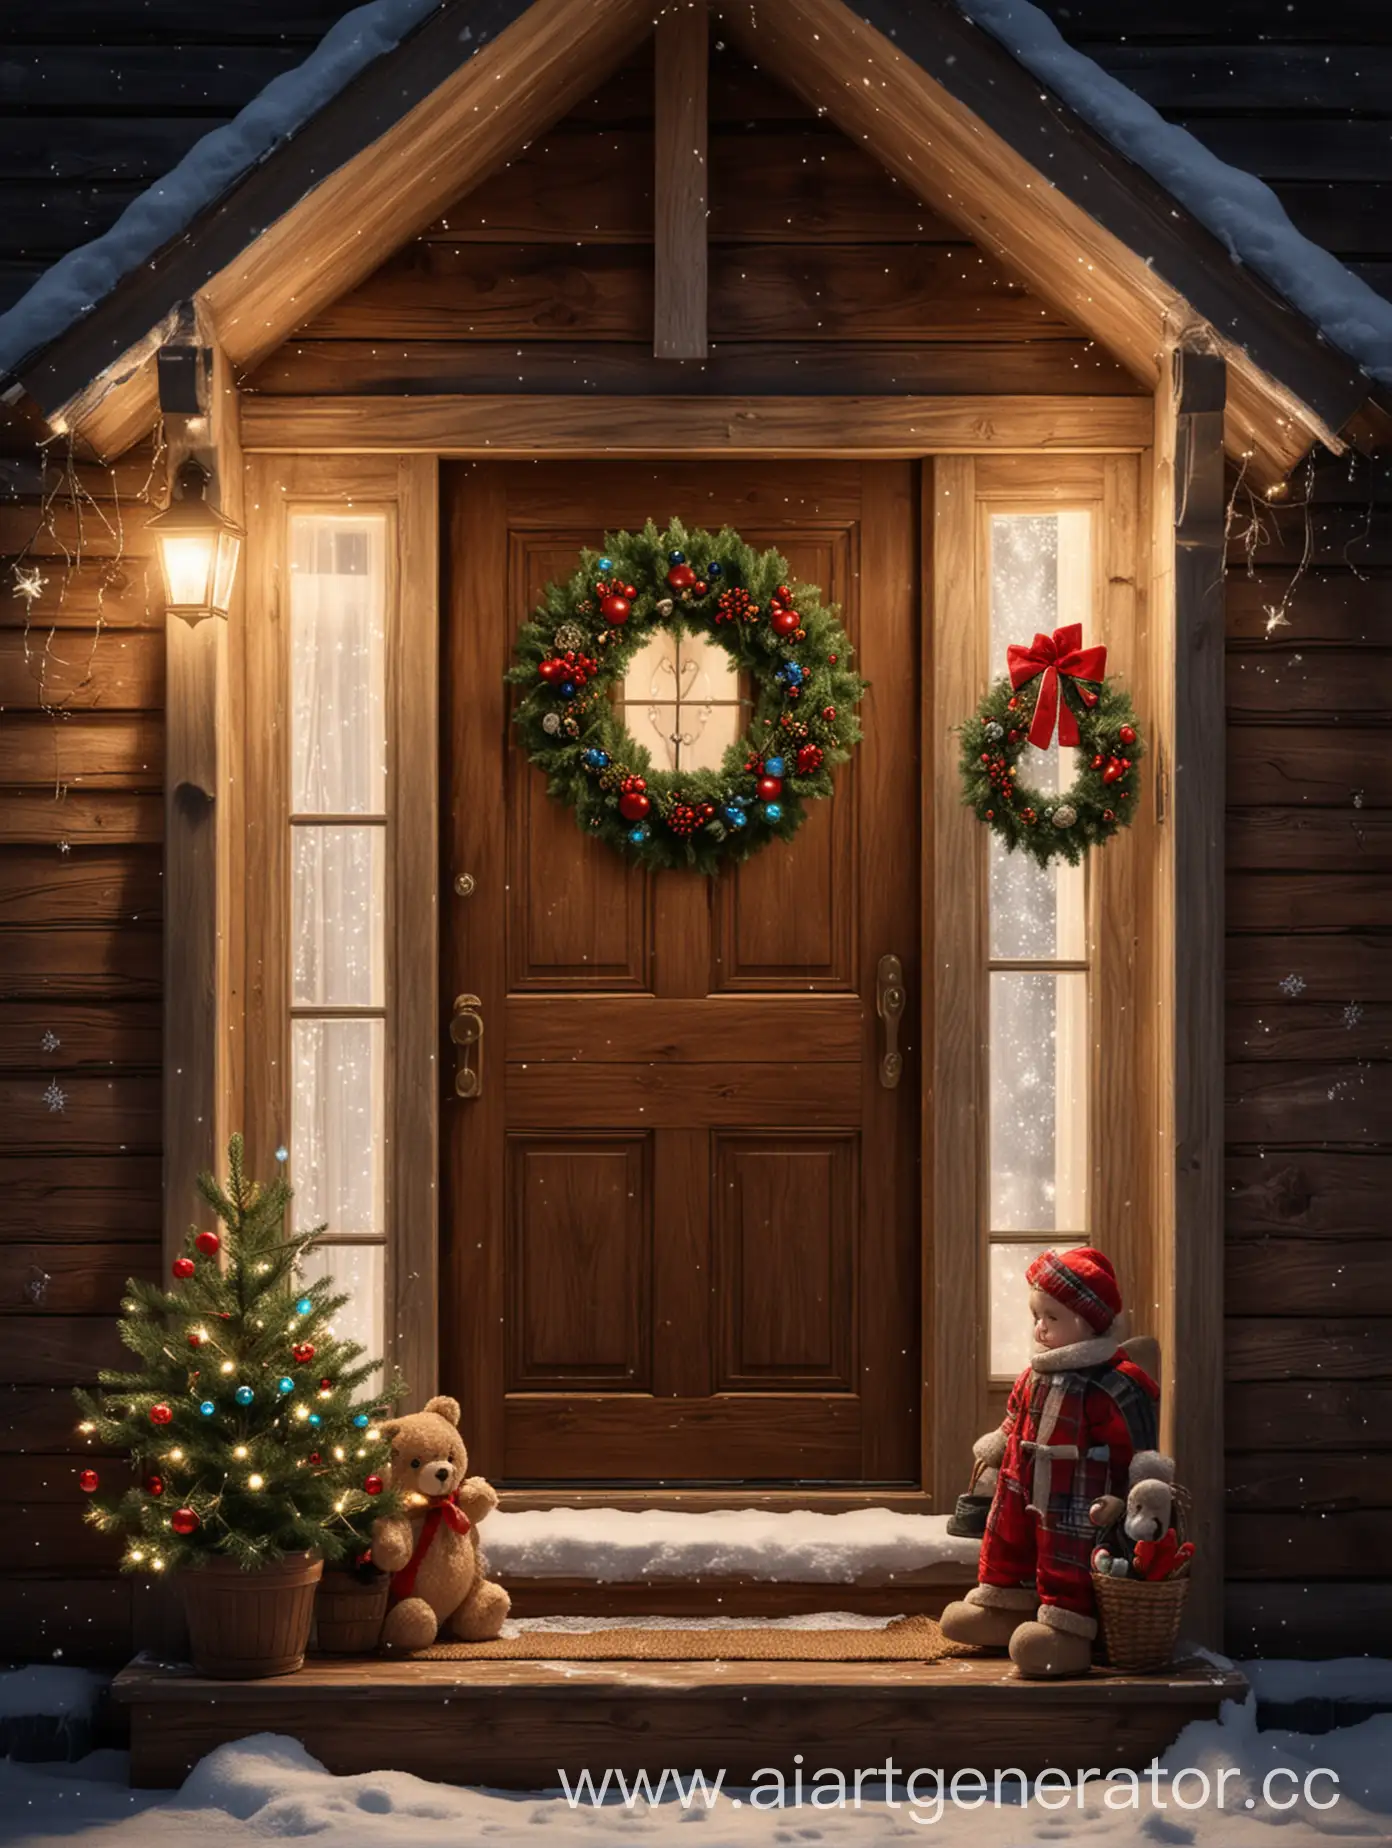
796,678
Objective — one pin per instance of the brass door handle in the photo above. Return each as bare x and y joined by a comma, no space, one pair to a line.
889,1005
466,1030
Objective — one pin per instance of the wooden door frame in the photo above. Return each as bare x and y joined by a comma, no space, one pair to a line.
943,433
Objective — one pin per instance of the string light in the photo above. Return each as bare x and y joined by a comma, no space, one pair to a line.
373,1435
229,1366
339,1452
176,1455
256,1482
302,1411
240,1453
86,1427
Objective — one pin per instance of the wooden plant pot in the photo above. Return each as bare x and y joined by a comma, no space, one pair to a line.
349,1613
246,1625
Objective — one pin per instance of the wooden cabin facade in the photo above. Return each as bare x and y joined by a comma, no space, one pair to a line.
710,272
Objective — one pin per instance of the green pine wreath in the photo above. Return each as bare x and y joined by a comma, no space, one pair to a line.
1049,825
573,653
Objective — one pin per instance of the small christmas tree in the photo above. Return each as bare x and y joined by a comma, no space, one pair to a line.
241,1423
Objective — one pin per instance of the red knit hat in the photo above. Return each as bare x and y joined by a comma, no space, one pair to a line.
1082,1280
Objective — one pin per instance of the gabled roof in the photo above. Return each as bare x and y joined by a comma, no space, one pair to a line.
388,138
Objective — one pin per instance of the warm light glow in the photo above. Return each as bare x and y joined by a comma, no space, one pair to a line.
339,1452
373,1435
240,1453
256,1482
176,1455
302,1411
229,1366
157,1564
86,1427
198,548
136,1556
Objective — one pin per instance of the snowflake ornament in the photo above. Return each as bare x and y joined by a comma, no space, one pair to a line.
55,1097
1292,985
50,1041
29,583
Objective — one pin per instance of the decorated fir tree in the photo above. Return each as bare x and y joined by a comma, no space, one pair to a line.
244,1422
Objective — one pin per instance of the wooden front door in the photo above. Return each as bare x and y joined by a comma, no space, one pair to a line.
681,1217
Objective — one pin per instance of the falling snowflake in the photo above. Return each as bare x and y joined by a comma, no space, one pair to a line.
282,1154
28,583
1353,1013
1292,985
1358,798
50,1041
65,846
55,1096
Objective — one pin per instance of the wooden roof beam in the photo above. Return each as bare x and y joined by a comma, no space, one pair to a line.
680,288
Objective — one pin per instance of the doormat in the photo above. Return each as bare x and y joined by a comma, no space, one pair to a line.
907,1639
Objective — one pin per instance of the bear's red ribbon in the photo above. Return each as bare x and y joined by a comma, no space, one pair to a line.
1052,655
442,1508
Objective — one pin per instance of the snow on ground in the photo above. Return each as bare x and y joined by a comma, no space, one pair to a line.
269,1789
49,1693
868,1546
67,291
1236,206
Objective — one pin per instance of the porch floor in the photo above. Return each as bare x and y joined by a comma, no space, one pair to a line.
518,1724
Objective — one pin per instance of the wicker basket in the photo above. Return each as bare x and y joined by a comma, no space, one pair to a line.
349,1612
246,1625
1140,1621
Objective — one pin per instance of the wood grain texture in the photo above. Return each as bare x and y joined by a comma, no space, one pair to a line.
1311,1482
1307,901
738,1715
1313,1193
80,1197
640,1028
57,1036
61,819
1309,1347
1303,1415
1276,838
497,426
95,885
1348,1103
72,964
1287,1276
681,183
76,670
88,750
1295,1617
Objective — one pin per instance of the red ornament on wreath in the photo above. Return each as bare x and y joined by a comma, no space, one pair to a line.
769,788
633,805
681,577
615,609
183,1268
184,1521
784,622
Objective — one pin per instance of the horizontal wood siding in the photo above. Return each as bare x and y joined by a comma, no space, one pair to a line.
825,276
1309,1068
81,745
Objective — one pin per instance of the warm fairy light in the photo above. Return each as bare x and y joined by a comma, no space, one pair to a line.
176,1455
373,1435
361,1453
340,1505
302,1411
86,1427
240,1453
229,1366
256,1482
157,1564
136,1556
339,1452
325,1393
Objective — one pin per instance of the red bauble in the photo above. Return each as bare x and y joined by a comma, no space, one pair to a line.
784,622
615,609
160,1414
552,670
183,1268
828,713
314,1456
373,1485
88,1482
831,659
809,758
681,577
303,1352
769,788
1098,761
154,1485
1127,734
196,1338
1115,768
326,1385
208,1243
184,1521
633,805
1109,815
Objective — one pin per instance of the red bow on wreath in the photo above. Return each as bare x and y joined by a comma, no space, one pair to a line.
1052,655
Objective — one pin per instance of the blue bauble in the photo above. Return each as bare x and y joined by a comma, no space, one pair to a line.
773,811
315,1419
773,766
676,558
244,1395
285,1383
639,834
735,816
596,759
303,1306
740,801
715,569
360,1420
567,689
207,1408
606,564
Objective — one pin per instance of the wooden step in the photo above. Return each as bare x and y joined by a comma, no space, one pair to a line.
925,1591
519,1725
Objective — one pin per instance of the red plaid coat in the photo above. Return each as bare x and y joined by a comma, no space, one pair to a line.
1069,1437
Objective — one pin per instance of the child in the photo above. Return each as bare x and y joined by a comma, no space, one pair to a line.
1081,1423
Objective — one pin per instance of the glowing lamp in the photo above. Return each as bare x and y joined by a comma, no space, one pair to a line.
198,548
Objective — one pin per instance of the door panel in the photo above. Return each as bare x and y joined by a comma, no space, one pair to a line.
681,1217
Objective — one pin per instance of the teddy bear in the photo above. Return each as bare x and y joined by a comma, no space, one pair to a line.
439,1576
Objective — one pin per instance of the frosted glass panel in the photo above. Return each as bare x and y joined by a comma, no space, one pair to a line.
338,601
339,911
339,1119
1037,912
1041,578
360,1269
1011,1320
1038,1059
681,701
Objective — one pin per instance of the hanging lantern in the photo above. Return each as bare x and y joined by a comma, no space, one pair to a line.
198,548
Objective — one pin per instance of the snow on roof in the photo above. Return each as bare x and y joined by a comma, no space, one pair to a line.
79,280
1240,210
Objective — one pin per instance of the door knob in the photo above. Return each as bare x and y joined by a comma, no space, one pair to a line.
466,1030
889,1005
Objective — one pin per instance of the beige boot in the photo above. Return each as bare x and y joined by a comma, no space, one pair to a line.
1058,1643
989,1615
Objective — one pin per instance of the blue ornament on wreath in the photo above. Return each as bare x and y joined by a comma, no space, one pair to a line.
715,569
605,564
773,766
640,834
244,1395
207,1408
285,1383
596,759
773,811
736,816
676,558
790,674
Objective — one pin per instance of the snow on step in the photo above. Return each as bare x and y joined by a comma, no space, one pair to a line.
868,1546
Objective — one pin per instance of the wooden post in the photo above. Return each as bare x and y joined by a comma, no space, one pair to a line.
680,185
1196,1271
